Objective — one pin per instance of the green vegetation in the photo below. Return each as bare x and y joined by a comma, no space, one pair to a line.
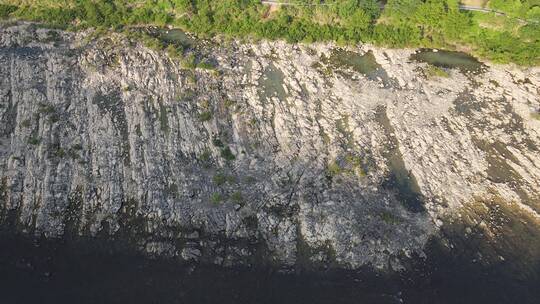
433,71
206,156
34,140
73,152
229,103
333,169
535,115
350,165
219,179
206,65
163,119
53,118
429,23
216,198
59,152
46,108
26,123
389,218
237,197
189,62
227,154
205,116
188,94
216,141
6,10
49,111
77,147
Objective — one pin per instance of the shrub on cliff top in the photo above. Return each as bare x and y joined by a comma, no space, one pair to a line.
6,10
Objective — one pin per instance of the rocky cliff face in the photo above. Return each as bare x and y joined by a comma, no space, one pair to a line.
284,153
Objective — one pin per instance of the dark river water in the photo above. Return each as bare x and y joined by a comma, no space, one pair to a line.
83,272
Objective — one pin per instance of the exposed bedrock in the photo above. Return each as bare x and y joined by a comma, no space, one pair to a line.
278,155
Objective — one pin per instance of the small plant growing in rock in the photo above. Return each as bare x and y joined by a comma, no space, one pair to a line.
77,147
205,104
206,65
52,36
433,71
53,118
152,43
333,169
205,116
188,94
389,218
237,197
46,108
494,83
227,154
231,179
216,198
350,164
189,62
26,123
73,154
205,156
60,153
219,179
172,51
229,103
253,123
355,164
34,141
325,137
216,141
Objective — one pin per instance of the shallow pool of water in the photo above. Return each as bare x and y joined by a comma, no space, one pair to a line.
365,64
177,36
272,82
449,59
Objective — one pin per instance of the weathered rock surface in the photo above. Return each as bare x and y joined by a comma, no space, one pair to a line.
277,155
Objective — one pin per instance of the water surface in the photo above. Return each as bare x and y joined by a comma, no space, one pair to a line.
271,83
365,64
449,59
91,272
177,36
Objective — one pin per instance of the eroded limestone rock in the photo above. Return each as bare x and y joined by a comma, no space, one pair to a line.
279,155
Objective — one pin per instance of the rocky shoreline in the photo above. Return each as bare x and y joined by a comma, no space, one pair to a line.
278,153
